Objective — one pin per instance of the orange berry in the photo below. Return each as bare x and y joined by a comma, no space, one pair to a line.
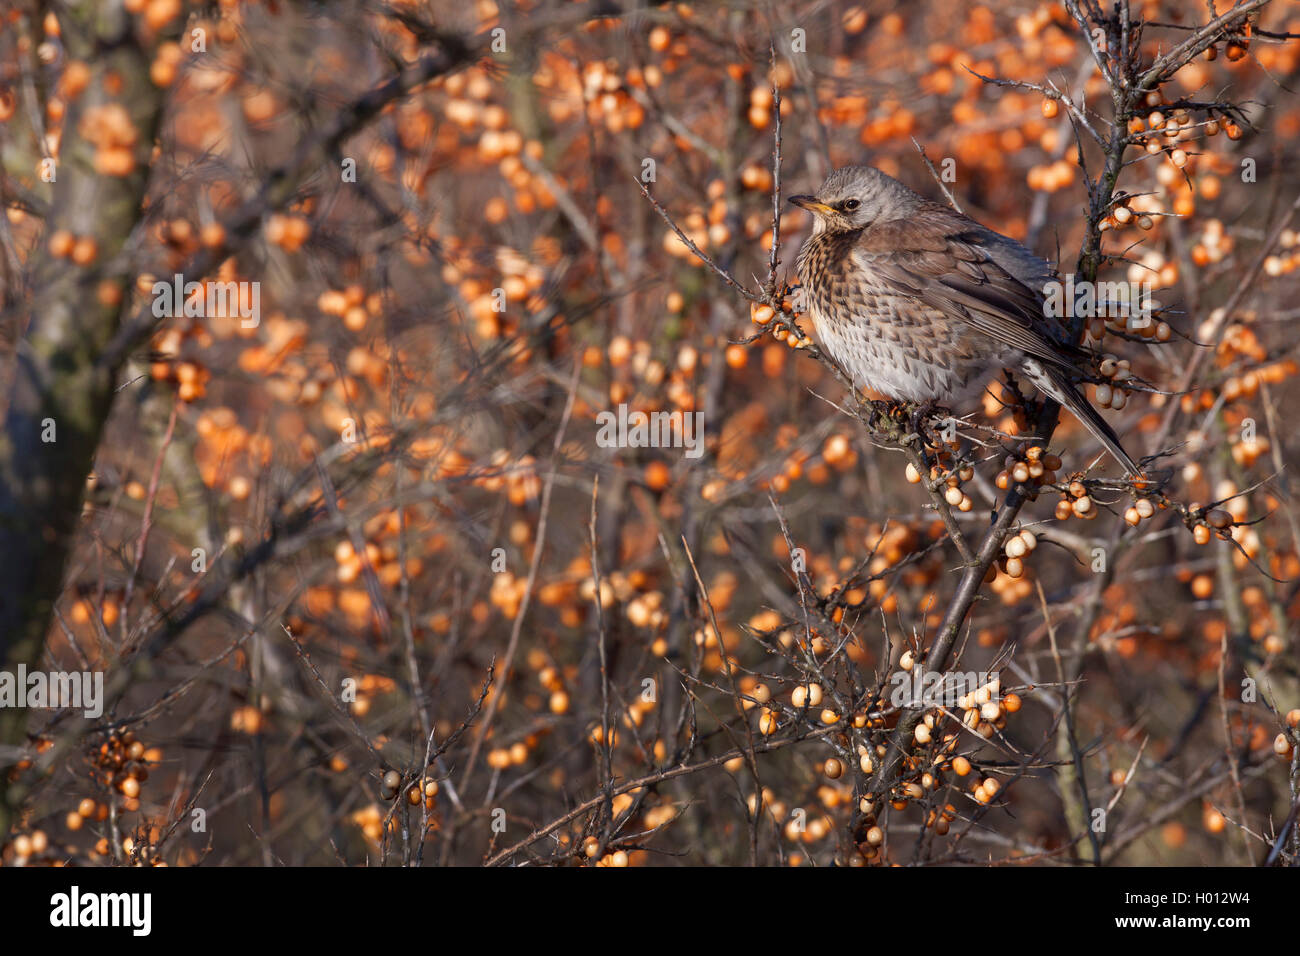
84,250
61,243
657,476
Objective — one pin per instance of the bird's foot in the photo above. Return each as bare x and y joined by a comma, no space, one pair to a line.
880,414
918,418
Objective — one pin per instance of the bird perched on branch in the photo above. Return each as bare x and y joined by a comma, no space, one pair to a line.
923,304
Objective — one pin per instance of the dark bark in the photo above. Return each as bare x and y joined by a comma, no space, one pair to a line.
59,390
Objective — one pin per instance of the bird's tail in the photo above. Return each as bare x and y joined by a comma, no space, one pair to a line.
1054,382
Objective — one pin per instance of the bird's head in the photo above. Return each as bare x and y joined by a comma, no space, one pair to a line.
854,197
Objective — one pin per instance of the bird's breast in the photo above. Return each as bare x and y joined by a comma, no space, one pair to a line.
886,340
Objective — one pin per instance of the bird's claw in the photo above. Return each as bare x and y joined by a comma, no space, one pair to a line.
918,417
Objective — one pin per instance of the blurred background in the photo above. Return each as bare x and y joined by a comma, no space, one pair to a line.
374,532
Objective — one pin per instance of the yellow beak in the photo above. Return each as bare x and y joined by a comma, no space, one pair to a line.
811,204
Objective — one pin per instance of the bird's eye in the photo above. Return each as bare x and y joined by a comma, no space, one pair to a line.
851,205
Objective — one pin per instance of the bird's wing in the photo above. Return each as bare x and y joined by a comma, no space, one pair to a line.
941,258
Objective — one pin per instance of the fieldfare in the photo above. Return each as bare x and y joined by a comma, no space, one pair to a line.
923,304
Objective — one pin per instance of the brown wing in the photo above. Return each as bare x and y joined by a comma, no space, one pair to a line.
939,257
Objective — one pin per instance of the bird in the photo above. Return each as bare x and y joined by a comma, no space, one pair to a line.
923,304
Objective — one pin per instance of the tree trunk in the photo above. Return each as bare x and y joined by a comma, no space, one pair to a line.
60,394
